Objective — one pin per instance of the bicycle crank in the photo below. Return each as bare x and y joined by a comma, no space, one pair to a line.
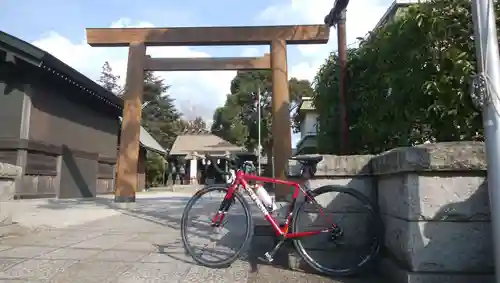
270,255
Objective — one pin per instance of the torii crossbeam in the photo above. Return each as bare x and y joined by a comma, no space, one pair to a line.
138,38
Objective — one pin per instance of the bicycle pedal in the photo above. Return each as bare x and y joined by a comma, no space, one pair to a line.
269,258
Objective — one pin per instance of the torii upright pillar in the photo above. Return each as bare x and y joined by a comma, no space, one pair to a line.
128,158
281,128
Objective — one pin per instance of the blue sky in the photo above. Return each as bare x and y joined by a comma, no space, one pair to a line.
58,26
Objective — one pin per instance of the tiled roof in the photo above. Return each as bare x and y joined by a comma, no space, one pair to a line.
150,143
202,143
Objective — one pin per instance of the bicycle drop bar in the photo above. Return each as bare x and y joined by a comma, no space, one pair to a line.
231,164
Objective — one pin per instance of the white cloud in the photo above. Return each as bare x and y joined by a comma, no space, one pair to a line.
251,52
196,93
362,16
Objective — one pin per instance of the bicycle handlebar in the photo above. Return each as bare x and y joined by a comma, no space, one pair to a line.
232,163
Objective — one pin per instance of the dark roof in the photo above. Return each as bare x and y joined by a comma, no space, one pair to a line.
41,59
27,52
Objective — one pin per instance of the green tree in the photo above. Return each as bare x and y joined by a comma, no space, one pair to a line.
237,120
108,80
408,82
159,116
154,169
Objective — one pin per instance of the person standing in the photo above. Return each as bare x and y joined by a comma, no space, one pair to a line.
166,174
173,172
182,173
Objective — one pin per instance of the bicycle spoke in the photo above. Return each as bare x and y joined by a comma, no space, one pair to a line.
350,244
222,236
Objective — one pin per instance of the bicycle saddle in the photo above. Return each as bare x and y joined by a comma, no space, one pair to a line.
311,159
309,164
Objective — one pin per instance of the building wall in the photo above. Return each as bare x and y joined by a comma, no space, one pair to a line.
11,101
54,116
66,146
86,138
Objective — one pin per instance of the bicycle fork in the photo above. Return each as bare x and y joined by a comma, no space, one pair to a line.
221,213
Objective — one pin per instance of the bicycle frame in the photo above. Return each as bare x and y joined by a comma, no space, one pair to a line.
242,180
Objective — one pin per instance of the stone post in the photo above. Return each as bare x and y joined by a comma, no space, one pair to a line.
193,171
434,202
9,174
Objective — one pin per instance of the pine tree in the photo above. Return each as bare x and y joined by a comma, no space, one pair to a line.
159,116
108,80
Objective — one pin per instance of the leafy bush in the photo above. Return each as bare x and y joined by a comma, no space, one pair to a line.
407,83
155,167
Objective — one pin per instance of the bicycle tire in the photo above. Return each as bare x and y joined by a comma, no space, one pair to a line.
248,234
378,233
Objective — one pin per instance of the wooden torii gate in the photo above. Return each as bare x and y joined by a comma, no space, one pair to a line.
138,38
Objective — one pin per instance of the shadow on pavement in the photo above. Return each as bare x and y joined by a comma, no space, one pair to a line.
167,211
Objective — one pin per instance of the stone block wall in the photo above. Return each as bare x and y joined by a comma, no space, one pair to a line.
350,171
9,174
434,203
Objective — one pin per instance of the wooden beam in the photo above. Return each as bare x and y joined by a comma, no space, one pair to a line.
208,64
128,155
208,36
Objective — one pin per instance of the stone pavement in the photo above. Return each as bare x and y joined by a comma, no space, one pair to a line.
93,241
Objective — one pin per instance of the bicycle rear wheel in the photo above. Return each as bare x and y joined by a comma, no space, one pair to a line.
205,223
341,210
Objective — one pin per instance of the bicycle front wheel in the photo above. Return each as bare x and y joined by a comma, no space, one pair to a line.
354,231
231,235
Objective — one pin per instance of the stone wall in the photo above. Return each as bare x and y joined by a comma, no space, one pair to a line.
434,203
350,171
8,176
433,200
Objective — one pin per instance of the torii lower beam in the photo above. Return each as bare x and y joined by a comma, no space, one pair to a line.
138,38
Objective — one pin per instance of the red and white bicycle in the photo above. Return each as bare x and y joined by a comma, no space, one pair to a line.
322,234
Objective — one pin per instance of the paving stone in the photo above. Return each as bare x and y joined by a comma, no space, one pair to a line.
119,256
6,263
3,247
25,252
272,274
136,246
162,238
81,233
42,269
155,272
59,243
23,281
237,272
168,257
143,246
103,242
90,271
69,253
